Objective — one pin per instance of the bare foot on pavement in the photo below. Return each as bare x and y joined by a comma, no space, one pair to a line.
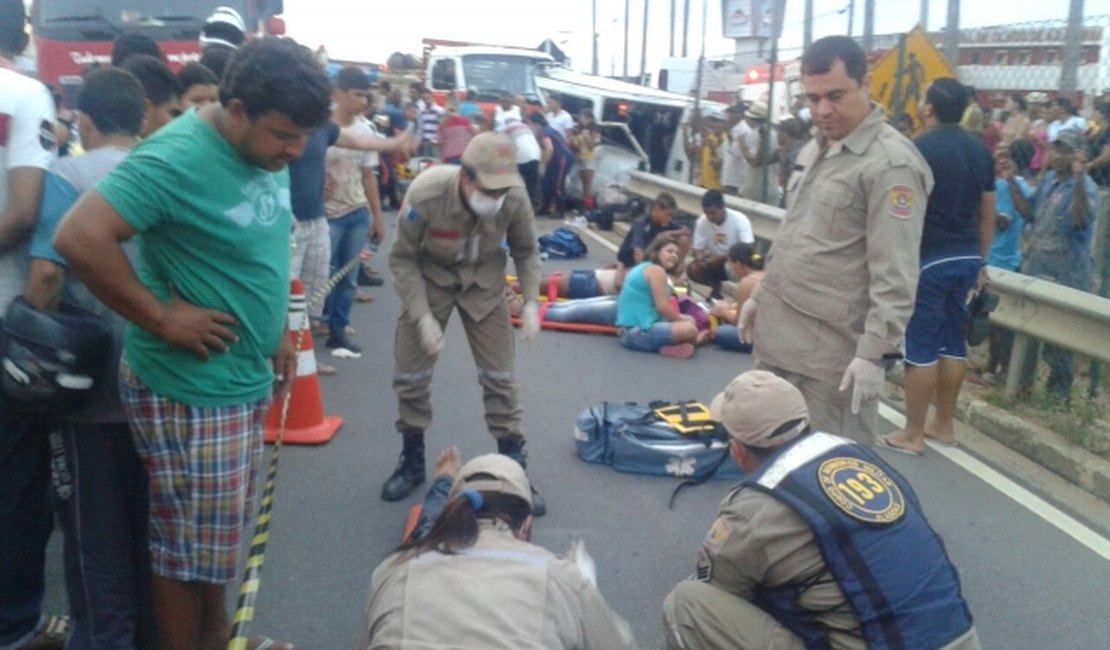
448,463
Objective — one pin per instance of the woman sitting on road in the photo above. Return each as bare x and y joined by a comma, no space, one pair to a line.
647,320
746,265
469,577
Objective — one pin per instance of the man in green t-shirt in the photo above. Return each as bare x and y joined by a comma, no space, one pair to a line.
210,195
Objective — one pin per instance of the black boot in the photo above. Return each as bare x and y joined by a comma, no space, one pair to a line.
514,448
410,469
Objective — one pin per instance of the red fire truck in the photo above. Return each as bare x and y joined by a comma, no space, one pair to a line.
70,35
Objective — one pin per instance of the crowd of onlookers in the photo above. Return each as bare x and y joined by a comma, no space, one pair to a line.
549,140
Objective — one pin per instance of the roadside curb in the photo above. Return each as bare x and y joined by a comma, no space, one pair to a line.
1040,445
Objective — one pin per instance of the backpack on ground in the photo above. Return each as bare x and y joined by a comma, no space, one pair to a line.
634,438
562,244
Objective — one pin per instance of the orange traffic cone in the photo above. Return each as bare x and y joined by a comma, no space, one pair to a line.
305,423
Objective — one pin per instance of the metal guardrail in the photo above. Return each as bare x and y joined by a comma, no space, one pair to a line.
1030,307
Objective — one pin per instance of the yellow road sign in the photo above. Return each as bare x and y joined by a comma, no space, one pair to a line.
898,85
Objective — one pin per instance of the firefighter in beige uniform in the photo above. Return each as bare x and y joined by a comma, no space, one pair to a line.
840,281
448,254
790,563
490,591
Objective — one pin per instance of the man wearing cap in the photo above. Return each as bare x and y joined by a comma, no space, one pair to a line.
755,187
475,581
448,254
842,272
823,545
1064,209
735,168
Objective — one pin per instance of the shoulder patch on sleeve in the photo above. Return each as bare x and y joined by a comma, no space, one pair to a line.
901,201
718,535
408,213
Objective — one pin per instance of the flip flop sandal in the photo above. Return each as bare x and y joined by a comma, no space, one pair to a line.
941,443
52,635
883,443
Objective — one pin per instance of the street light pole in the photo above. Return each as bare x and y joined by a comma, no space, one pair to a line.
643,45
685,26
593,37
626,21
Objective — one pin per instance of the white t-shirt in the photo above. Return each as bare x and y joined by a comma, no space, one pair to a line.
1069,122
26,140
344,169
561,122
527,147
716,240
734,170
502,116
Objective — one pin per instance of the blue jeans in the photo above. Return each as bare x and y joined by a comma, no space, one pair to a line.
100,495
649,340
601,310
728,337
25,523
434,502
348,234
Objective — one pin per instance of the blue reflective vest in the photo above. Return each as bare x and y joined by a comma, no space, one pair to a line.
877,544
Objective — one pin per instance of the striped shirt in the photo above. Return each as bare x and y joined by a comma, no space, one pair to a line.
429,123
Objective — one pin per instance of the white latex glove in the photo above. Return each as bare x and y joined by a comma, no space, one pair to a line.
746,320
530,315
583,561
431,335
866,379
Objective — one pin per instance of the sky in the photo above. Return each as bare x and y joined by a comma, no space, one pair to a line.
366,34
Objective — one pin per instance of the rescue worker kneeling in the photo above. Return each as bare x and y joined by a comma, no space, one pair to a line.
473,580
823,545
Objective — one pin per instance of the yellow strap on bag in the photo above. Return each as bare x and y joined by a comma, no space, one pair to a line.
688,418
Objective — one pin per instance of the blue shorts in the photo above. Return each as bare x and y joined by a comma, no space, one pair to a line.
936,328
582,284
649,340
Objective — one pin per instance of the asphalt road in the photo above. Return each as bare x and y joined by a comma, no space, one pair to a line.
1029,584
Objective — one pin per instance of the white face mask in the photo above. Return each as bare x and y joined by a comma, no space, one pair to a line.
485,206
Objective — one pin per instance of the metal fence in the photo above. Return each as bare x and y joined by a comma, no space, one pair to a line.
1035,310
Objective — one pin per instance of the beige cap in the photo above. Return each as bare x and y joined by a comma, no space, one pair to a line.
1037,97
493,473
493,157
755,405
757,111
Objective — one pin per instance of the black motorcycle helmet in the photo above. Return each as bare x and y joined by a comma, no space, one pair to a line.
51,361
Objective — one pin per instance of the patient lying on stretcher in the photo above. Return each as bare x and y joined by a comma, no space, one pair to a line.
582,283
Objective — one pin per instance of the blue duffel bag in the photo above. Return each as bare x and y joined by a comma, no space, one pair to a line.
631,438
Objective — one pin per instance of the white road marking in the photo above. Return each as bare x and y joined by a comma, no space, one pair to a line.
1033,503
599,239
1038,506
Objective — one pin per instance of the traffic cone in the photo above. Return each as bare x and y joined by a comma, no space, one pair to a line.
305,423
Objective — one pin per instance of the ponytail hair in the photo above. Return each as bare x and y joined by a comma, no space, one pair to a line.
456,528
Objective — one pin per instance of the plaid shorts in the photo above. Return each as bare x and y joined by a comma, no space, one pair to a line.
202,463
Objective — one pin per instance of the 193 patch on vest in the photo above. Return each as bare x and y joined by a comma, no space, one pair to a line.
862,490
901,201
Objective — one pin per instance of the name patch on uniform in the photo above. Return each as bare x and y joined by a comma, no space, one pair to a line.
862,490
901,201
